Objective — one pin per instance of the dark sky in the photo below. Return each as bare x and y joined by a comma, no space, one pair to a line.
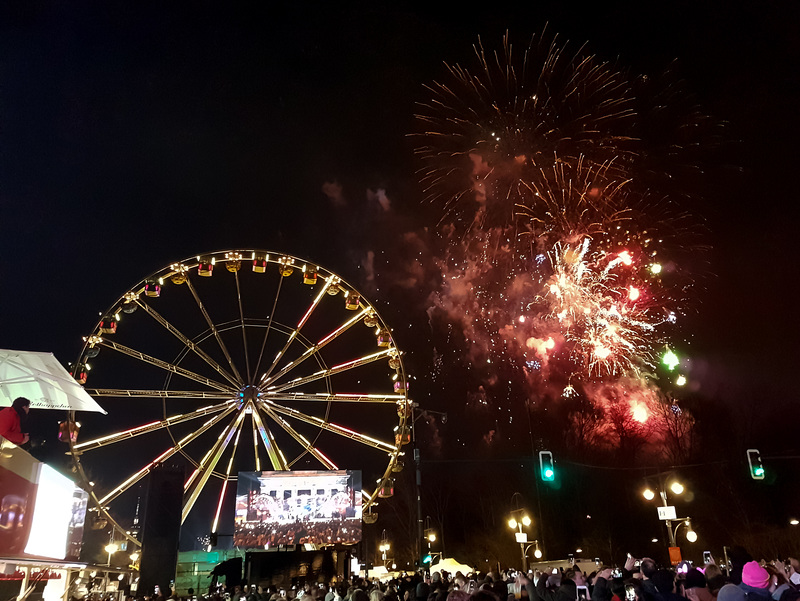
134,134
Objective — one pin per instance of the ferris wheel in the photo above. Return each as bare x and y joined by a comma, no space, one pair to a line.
236,361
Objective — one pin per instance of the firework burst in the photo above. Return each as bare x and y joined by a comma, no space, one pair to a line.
560,266
486,132
606,320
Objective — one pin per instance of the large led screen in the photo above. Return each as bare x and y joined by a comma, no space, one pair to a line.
298,507
42,512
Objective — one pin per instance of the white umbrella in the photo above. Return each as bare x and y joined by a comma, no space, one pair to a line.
42,379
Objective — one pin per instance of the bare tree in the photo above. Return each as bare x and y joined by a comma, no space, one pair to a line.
677,425
631,434
585,424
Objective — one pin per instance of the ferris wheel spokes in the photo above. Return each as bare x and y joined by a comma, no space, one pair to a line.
214,330
293,335
336,397
187,342
325,373
113,494
193,485
269,324
276,457
304,442
328,426
151,427
310,351
159,394
255,445
244,330
165,365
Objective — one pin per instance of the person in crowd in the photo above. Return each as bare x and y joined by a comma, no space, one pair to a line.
556,588
12,421
793,570
664,581
756,582
632,589
694,586
731,592
780,586
458,595
601,590
715,579
738,557
617,587
439,587
647,568
483,594
423,589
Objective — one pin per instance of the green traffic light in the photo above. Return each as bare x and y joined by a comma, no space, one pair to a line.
757,471
427,559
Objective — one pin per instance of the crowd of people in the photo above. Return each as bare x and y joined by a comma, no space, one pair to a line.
639,580
329,532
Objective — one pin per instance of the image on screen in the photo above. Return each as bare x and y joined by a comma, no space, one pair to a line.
55,515
298,507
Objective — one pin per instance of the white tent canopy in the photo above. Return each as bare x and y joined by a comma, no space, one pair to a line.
452,566
42,379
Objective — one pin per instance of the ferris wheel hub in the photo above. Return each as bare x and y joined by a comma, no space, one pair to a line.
249,393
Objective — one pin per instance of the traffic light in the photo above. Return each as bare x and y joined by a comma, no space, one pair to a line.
756,467
427,559
546,467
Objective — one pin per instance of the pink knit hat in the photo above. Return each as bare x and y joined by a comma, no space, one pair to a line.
754,575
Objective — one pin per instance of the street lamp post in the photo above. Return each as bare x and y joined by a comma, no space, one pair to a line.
111,548
537,552
519,519
384,547
667,513
430,537
691,535
415,415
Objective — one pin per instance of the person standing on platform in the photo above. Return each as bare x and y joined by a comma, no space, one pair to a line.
12,420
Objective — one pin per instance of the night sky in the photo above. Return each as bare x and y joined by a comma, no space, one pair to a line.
135,134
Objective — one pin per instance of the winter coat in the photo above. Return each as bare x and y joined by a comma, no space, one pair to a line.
10,426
